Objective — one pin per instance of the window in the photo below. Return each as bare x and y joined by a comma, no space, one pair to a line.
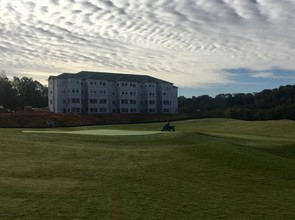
93,101
50,101
152,102
166,102
102,110
166,110
93,110
76,110
152,110
75,100
133,110
102,101
124,110
124,101
132,101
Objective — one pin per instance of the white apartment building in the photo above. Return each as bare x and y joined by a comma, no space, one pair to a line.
104,93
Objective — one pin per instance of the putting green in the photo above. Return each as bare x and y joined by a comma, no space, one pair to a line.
108,132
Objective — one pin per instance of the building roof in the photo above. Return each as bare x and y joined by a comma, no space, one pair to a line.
115,77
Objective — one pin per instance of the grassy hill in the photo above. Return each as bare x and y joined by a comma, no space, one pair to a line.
208,169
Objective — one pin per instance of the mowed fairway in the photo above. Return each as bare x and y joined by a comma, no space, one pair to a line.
208,169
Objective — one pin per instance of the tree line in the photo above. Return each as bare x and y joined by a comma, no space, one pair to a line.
269,104
20,92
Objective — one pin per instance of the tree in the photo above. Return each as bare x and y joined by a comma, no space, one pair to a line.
269,104
7,93
30,92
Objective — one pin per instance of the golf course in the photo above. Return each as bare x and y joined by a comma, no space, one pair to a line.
206,169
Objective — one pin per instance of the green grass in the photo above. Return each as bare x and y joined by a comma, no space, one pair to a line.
208,169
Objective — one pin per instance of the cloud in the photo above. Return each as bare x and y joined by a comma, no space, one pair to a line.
264,75
3,49
249,75
188,42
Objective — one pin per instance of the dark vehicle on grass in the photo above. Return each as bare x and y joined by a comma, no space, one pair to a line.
168,127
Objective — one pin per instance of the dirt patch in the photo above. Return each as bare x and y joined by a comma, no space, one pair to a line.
41,119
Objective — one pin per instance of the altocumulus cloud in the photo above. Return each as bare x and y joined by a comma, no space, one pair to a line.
190,42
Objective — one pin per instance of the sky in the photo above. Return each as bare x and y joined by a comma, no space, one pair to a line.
202,46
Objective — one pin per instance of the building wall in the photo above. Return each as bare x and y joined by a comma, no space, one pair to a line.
141,98
50,95
94,96
151,97
130,95
73,104
168,98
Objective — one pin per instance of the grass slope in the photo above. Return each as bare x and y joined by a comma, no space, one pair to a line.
209,169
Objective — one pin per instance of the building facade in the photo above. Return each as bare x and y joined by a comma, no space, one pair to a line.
105,93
